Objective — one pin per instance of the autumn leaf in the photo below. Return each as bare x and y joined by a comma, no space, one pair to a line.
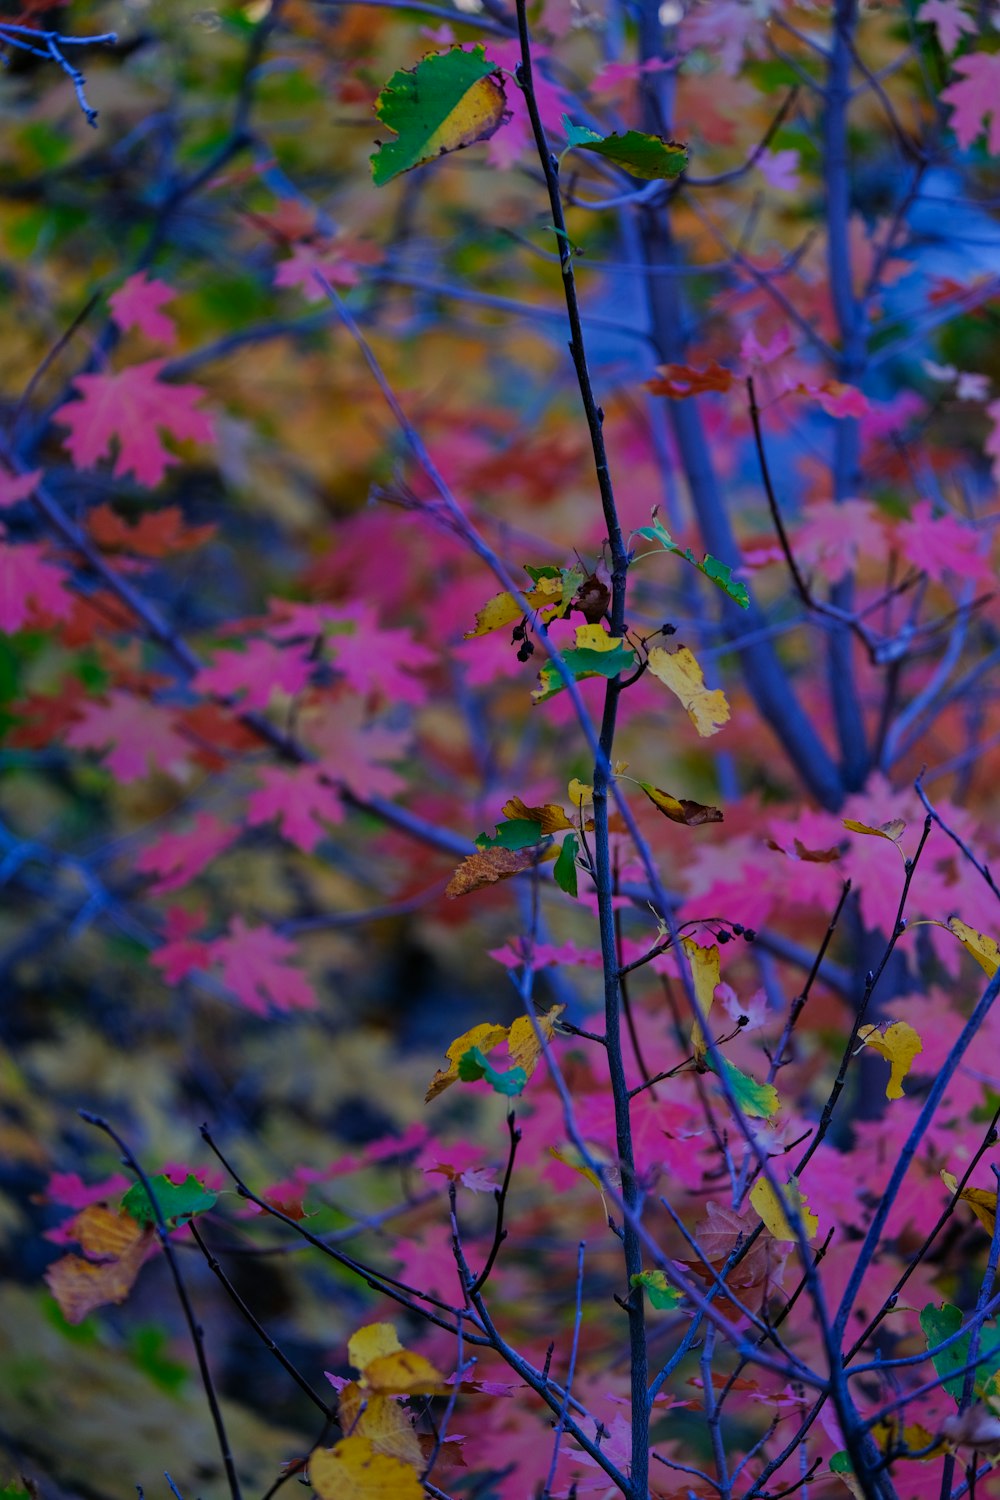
893,830
661,1294
523,1042
974,99
380,1419
252,676
705,974
137,304
551,818
137,736
353,1470
448,101
985,950
758,1100
774,1210
33,589
899,1044
982,1202
116,1246
127,411
650,157
680,672
487,867
301,799
680,809
156,533
546,595
177,858
596,654
257,966
486,1036
680,381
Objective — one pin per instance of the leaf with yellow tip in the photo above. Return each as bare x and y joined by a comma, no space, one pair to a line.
899,1044
679,670
774,1211
680,809
503,609
550,818
893,830
983,949
403,1373
449,100
982,1203
353,1470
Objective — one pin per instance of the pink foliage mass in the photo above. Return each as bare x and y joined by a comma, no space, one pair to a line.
257,966
127,412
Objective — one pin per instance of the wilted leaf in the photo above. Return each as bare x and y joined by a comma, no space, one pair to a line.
120,1246
774,1211
893,830
176,1201
484,1036
982,1202
679,671
523,1044
976,1427
661,1294
758,1100
353,1470
449,100
380,1419
550,817
679,809
899,1044
648,156
983,949
486,868
680,381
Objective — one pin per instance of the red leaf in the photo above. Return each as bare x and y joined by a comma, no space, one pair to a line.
681,381
155,534
137,303
178,857
32,589
129,410
301,798
142,736
180,953
255,966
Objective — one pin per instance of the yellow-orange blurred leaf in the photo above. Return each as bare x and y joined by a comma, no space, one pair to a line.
983,949
380,1419
982,1202
680,809
523,1043
376,1339
580,792
353,1470
104,1234
485,1036
705,973
678,670
486,867
899,1044
774,1210
79,1286
551,818
403,1373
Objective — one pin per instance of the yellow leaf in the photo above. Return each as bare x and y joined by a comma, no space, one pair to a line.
705,973
679,671
403,1373
570,1157
893,830
503,609
984,949
596,638
982,1202
522,1041
773,1210
551,818
679,809
899,1044
380,1419
353,1470
485,1036
580,792
373,1341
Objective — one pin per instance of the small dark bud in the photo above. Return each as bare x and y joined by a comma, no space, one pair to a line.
519,632
738,929
749,935
668,629
722,936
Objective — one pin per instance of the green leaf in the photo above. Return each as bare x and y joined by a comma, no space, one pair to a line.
840,1463
515,833
582,662
717,572
758,1100
147,1345
474,1064
176,1201
646,156
449,100
658,1289
564,869
939,1323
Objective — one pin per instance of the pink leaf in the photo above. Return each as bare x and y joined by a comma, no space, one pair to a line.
137,303
254,674
128,411
256,966
973,99
138,736
353,751
834,537
950,20
32,589
178,857
310,265
16,487
301,798
944,544
181,952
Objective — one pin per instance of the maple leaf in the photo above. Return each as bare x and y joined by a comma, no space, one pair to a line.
32,589
301,799
155,534
974,99
310,265
129,410
178,857
181,952
142,736
255,963
680,381
137,303
353,750
836,535
949,20
254,674
944,544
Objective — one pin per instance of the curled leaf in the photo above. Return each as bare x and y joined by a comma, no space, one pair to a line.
680,809
983,949
680,672
661,1294
551,818
487,867
982,1202
487,1035
648,156
705,974
893,830
899,1044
